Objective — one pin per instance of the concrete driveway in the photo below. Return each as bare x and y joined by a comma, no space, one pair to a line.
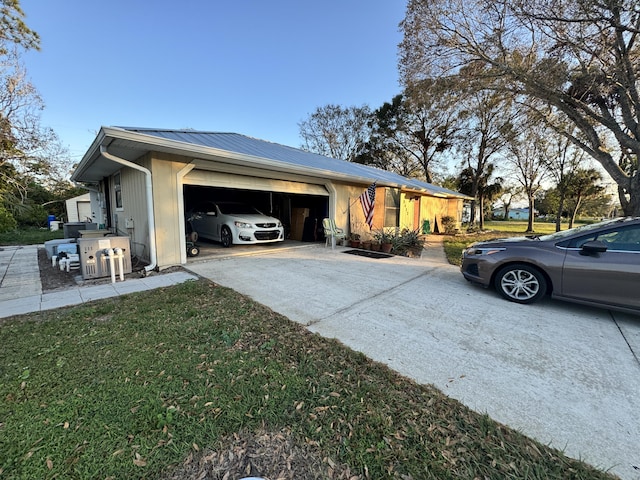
566,375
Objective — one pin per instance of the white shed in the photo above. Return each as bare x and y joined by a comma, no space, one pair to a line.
79,209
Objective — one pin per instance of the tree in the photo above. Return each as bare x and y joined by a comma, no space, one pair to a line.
32,162
507,195
28,151
583,186
13,30
485,192
528,160
563,166
488,130
579,58
410,134
335,131
547,202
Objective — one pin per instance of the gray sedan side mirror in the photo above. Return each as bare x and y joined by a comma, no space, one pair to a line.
594,246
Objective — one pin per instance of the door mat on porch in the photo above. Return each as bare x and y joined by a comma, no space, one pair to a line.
368,254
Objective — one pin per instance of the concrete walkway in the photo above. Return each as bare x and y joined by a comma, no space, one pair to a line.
21,290
563,374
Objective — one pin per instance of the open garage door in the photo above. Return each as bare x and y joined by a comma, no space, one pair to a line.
243,182
299,206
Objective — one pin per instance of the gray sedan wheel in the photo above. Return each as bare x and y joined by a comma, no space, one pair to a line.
225,237
520,283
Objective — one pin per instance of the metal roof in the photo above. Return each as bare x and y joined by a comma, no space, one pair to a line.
130,142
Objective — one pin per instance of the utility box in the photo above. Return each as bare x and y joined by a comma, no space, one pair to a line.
94,262
72,229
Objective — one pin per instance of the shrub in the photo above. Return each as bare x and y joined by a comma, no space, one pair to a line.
7,222
32,216
449,224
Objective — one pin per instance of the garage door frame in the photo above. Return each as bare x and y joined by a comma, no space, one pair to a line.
245,179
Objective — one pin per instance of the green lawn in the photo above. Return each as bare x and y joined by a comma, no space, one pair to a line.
519,227
455,244
131,386
29,236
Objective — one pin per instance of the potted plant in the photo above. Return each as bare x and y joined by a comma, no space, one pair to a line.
385,240
354,240
366,244
409,243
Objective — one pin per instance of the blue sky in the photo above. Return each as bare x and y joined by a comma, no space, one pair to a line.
255,67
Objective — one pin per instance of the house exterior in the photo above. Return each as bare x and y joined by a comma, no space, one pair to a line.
514,213
143,181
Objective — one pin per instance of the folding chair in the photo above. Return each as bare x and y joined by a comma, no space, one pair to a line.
331,232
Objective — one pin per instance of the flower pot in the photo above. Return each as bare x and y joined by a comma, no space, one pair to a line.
354,243
366,245
386,247
375,246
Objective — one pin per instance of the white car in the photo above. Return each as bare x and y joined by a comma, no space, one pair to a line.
234,223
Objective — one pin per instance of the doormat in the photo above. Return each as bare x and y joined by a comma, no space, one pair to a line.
368,254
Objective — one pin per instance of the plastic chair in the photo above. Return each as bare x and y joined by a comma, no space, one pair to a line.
331,232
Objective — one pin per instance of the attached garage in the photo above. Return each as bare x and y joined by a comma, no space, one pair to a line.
143,181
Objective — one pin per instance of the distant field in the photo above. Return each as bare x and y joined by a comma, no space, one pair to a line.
521,227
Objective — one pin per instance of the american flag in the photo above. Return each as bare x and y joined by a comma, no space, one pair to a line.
367,200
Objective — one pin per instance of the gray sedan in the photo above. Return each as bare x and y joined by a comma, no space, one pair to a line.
596,264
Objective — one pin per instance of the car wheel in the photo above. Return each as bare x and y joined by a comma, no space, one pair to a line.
520,283
225,237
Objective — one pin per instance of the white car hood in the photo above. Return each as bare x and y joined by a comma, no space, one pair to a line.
253,218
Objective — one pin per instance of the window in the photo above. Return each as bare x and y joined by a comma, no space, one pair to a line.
391,207
625,239
117,189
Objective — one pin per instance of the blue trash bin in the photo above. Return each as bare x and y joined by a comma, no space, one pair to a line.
50,219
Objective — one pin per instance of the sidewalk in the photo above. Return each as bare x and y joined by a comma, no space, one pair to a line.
21,290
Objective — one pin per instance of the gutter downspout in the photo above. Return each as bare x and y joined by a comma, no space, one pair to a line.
149,192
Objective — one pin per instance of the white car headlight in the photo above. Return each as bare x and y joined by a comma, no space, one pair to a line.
477,251
242,224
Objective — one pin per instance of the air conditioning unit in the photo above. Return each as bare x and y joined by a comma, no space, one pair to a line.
94,262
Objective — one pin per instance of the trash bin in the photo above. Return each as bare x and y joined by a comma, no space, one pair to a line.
426,227
54,225
50,218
